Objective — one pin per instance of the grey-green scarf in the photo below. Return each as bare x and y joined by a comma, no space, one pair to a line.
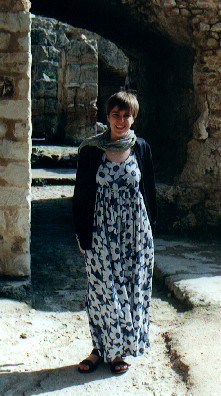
103,141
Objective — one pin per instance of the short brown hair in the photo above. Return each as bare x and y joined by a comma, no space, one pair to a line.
123,100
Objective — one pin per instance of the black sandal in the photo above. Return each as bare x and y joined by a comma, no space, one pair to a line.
118,363
88,362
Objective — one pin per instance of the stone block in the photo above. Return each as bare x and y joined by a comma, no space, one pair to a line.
24,88
4,40
14,150
41,36
17,222
15,22
14,265
204,27
14,6
24,43
89,74
15,109
21,131
16,174
14,196
2,222
3,129
72,72
185,12
87,93
47,70
39,53
212,43
216,27
15,63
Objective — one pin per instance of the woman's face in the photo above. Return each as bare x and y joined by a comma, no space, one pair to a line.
120,122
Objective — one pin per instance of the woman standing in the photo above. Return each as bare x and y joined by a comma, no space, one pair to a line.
114,205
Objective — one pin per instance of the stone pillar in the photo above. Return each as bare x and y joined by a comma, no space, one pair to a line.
15,138
78,89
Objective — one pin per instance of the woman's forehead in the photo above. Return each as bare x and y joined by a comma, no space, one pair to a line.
119,109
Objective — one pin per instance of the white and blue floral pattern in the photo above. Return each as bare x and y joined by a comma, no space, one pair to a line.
120,263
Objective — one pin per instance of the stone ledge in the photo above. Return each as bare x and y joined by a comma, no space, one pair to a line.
54,156
190,271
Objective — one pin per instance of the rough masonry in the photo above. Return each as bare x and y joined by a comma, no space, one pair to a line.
66,82
15,138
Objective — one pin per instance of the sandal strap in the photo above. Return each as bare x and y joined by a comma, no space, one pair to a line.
119,363
95,352
88,363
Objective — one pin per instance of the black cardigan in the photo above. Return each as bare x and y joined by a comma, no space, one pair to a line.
85,188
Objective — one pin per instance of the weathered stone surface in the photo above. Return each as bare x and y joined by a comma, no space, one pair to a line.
24,43
3,129
112,56
21,131
15,22
24,89
18,63
14,196
15,109
17,221
205,158
15,174
15,106
4,40
15,150
14,5
15,265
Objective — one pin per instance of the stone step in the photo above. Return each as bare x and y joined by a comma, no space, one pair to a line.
53,176
47,156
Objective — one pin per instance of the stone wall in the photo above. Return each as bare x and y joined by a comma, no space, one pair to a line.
196,195
65,79
15,131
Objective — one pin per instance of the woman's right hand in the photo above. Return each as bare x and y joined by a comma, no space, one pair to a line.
81,250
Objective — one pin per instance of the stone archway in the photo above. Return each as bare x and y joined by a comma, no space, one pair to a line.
156,35
174,47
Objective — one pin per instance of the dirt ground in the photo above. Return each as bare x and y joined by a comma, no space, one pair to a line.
41,345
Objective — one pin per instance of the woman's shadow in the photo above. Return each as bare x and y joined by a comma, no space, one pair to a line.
48,380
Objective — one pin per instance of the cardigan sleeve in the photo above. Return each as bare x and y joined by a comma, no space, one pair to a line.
84,199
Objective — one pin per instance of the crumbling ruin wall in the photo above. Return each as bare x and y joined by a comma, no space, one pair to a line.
65,79
195,198
15,131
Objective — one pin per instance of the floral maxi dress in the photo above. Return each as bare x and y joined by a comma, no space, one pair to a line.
120,264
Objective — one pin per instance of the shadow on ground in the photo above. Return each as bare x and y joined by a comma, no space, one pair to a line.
58,270
49,380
